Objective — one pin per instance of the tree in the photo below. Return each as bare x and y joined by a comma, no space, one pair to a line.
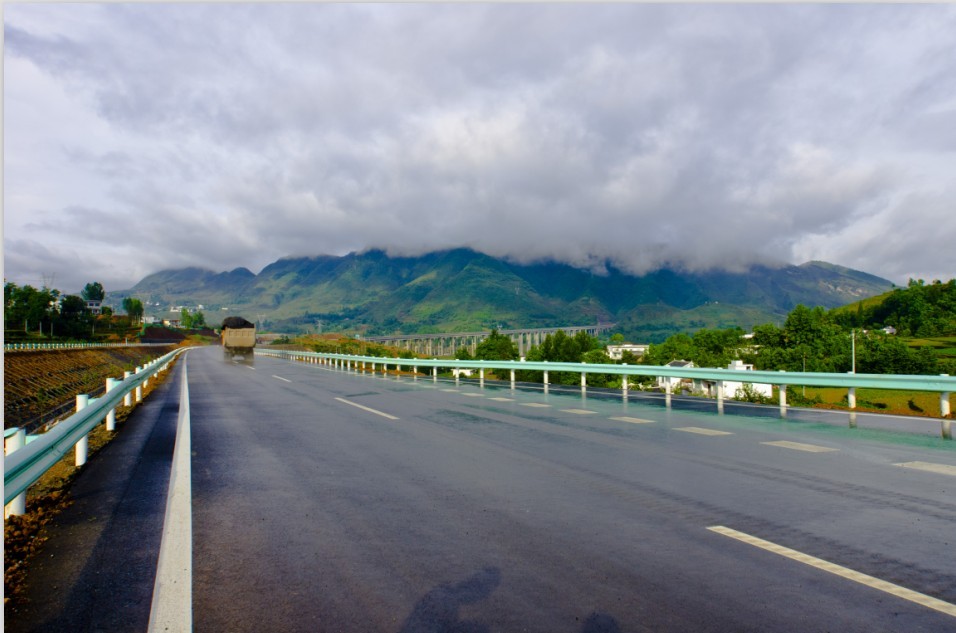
25,304
94,291
185,319
496,347
75,320
134,308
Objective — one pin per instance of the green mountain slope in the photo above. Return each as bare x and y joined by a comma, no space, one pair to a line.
459,290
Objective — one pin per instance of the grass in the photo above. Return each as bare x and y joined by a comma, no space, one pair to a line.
916,403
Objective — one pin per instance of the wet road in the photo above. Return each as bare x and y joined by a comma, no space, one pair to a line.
325,500
333,501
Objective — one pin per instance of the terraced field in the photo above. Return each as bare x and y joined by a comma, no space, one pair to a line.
37,385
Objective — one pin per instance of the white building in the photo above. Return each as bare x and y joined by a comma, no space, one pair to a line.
731,387
675,384
615,352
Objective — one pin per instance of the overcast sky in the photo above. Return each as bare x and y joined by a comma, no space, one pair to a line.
145,137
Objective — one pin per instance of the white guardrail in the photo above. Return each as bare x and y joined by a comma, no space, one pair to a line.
943,384
29,457
28,347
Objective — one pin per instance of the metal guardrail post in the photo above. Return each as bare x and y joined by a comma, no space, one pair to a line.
83,446
111,416
128,398
139,388
19,504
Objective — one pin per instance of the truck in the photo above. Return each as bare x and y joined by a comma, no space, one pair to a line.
238,336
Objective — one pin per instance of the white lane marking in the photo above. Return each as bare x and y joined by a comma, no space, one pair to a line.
450,390
930,467
247,367
171,608
534,404
624,418
369,409
473,395
281,378
578,411
799,446
700,431
502,399
839,570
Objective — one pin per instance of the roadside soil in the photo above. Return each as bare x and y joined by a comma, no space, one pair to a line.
38,382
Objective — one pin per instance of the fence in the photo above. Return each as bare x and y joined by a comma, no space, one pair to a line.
28,347
29,457
943,384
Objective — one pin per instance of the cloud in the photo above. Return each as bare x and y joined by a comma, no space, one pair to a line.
142,137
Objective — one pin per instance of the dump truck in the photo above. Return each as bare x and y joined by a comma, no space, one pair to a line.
238,336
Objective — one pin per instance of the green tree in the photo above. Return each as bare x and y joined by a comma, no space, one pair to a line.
74,319
496,347
35,309
677,347
134,308
94,291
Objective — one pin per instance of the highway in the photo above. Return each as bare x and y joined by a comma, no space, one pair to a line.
325,500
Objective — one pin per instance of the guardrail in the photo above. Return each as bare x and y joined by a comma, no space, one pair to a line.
28,347
942,384
29,457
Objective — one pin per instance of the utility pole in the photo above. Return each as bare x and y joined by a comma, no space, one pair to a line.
853,352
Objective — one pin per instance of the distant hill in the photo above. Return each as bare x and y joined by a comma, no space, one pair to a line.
918,310
460,289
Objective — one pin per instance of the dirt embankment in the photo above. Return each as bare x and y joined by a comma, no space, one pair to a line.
36,383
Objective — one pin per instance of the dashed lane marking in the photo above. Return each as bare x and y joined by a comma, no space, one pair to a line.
281,378
798,446
839,570
940,469
450,390
473,395
633,420
502,399
369,409
700,431
578,411
534,404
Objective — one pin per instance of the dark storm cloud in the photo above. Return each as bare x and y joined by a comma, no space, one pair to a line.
643,135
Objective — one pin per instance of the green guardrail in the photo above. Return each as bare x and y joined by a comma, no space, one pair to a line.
23,467
942,384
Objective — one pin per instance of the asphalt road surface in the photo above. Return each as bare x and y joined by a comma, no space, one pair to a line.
326,500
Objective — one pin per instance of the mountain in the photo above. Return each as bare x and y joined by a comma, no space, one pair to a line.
461,290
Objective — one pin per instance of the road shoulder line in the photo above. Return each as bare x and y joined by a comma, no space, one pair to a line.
171,608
